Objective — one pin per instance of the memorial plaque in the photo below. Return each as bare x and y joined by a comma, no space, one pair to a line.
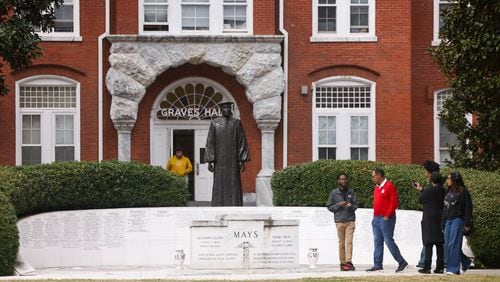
244,241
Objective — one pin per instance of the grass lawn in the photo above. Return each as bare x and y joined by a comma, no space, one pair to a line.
347,279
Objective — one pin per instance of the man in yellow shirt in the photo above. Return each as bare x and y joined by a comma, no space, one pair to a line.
179,164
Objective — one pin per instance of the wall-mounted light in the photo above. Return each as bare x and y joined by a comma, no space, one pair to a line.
304,90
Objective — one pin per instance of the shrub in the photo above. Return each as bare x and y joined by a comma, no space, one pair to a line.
309,184
9,237
91,185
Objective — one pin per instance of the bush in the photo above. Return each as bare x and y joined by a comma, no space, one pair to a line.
9,243
309,184
91,185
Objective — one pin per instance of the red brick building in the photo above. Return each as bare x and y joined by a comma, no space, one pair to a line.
311,79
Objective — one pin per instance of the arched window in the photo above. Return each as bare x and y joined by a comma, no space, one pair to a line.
192,98
47,120
344,119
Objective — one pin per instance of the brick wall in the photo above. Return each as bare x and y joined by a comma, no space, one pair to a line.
387,62
426,80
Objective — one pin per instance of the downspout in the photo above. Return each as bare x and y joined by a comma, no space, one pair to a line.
100,83
285,74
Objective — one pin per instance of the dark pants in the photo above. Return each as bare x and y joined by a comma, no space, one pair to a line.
428,255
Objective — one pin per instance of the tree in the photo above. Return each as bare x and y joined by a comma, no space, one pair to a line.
469,57
18,40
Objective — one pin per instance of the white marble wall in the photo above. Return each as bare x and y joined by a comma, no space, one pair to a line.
150,236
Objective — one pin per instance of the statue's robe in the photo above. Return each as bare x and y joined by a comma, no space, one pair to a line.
226,148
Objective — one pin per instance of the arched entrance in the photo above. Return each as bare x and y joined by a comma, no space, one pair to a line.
180,117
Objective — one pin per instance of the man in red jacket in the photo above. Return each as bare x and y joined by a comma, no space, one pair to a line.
385,203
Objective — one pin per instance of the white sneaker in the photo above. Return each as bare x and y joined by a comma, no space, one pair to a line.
450,273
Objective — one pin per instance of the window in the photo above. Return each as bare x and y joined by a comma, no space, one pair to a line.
440,7
195,14
359,138
359,16
343,20
195,17
47,121
344,119
443,137
235,15
67,23
155,15
327,136
327,16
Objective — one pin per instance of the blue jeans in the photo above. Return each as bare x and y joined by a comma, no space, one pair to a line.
383,231
453,237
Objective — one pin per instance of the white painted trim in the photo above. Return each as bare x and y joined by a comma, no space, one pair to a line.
435,26
436,123
321,38
47,120
100,84
216,20
371,113
285,77
66,36
343,33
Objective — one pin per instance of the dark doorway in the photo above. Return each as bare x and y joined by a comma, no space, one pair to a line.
185,138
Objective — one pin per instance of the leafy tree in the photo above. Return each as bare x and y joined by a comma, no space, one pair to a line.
18,40
469,56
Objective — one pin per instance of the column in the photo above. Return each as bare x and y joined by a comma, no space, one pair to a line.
263,190
124,129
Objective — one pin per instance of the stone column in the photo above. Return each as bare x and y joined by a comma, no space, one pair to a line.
263,191
124,129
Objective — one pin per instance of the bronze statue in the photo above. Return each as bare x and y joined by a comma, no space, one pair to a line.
226,154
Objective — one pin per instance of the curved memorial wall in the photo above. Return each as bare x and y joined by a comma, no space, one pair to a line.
276,237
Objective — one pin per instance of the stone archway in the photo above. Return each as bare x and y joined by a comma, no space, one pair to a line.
254,61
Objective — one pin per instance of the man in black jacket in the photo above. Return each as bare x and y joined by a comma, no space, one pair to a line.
343,203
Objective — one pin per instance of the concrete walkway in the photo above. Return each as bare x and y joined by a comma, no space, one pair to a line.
127,272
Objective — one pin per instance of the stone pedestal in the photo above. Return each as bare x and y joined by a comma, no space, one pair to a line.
244,241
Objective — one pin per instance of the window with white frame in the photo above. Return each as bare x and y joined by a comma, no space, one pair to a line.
343,20
235,15
47,121
67,23
344,119
195,16
443,137
155,15
440,8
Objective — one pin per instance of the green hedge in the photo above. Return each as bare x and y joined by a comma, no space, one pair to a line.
9,237
91,185
309,184
79,185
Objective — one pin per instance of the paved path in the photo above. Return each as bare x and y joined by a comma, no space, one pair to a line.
127,272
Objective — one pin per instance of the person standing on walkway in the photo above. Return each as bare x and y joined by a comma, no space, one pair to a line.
429,168
457,218
343,203
385,202
179,164
432,199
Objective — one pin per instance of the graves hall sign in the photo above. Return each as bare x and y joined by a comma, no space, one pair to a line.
192,101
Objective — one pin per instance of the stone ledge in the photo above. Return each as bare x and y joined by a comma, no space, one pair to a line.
197,38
